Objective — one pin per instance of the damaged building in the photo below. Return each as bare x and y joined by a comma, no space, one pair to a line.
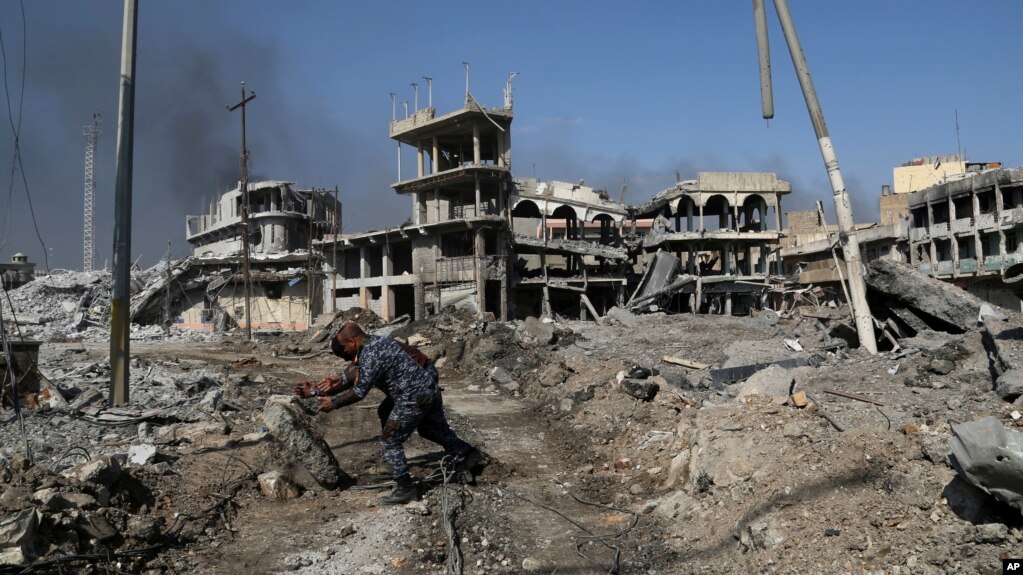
206,291
515,247
968,231
953,220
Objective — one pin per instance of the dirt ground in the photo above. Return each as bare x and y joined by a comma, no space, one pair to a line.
587,475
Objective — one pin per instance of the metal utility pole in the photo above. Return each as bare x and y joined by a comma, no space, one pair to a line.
429,91
466,64
333,286
245,209
415,88
846,226
120,298
764,56
91,133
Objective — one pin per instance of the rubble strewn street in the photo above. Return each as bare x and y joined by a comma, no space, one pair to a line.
601,452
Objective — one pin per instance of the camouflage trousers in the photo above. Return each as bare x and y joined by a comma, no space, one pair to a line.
423,413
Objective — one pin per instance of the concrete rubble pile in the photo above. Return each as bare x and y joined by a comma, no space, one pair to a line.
717,443
71,305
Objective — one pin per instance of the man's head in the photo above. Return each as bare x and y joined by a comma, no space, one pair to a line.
348,341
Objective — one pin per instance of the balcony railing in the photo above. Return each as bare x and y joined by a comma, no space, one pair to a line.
985,221
939,230
963,225
918,234
944,268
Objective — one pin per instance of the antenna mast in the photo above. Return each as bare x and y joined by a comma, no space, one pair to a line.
91,133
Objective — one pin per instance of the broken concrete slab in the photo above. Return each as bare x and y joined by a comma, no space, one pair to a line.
939,304
501,375
141,454
1009,385
282,415
622,317
189,432
276,485
100,471
774,381
53,499
989,456
538,330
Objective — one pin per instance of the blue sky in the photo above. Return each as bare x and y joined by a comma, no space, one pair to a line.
607,92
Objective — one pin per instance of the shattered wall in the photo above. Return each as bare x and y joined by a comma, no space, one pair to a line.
287,311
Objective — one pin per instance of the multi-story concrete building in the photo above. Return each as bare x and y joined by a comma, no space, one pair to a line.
725,228
481,238
455,245
207,290
969,231
812,254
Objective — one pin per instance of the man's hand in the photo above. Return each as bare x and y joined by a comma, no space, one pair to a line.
328,385
326,405
304,389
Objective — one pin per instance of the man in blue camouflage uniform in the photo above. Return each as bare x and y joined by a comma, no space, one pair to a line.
413,403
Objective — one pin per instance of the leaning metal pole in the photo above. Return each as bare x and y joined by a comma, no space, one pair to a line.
846,227
120,302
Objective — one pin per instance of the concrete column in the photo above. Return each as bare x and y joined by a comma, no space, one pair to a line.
476,155
503,254
777,214
363,274
951,234
545,307
436,203
978,248
479,206
507,148
735,217
501,193
479,248
702,228
728,303
435,158
726,260
763,215
999,206
419,297
500,149
386,292
420,161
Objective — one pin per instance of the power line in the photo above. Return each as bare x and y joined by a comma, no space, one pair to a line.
16,161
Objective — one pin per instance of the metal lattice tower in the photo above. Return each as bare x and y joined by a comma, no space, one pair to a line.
91,133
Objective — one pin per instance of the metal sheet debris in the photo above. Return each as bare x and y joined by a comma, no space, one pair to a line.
989,456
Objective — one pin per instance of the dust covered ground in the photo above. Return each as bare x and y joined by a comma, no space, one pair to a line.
605,458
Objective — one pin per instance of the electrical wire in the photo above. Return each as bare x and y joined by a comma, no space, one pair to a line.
607,540
15,128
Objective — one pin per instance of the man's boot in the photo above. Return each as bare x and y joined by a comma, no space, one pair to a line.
404,492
